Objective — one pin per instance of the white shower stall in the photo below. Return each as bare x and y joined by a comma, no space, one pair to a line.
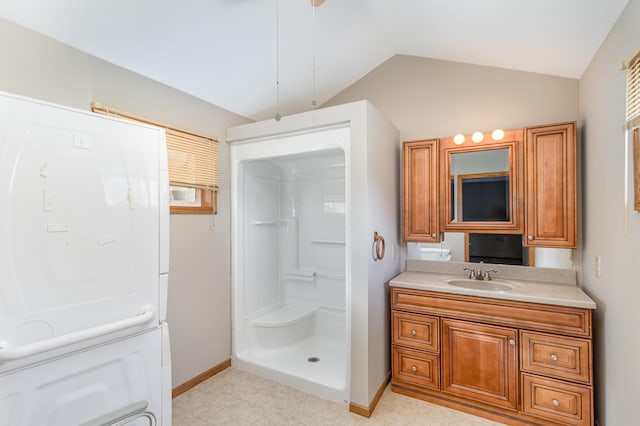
310,301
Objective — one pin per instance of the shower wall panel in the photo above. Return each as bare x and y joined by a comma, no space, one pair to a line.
318,193
261,194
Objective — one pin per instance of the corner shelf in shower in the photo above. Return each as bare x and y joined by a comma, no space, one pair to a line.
264,222
300,275
330,242
311,276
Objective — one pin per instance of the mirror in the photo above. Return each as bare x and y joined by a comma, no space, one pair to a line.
456,247
481,185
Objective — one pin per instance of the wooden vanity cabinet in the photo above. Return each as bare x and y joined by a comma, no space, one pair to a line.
420,219
550,194
513,362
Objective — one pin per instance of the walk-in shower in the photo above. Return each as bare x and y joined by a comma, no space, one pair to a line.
310,196
291,291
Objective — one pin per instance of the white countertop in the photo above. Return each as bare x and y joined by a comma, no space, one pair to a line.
522,290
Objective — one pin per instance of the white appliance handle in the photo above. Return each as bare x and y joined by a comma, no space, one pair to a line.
9,354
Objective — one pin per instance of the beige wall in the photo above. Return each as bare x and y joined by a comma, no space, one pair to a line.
199,294
428,98
617,290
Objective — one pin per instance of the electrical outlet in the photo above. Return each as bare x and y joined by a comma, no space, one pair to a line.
596,266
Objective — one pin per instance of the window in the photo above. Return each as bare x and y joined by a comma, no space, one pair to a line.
193,166
633,91
633,119
185,200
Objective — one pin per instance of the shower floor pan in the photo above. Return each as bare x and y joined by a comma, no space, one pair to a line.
318,360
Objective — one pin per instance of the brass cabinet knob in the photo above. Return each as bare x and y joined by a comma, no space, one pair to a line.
555,403
554,357
512,342
413,332
530,237
414,368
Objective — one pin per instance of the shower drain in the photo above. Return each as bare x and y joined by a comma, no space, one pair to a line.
313,359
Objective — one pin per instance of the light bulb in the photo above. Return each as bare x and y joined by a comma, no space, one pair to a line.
458,139
477,137
497,135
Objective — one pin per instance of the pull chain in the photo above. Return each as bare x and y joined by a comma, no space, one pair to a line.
278,116
314,103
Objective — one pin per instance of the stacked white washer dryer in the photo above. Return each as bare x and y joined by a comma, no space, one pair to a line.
84,258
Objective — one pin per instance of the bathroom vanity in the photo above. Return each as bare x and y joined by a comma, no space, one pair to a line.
516,348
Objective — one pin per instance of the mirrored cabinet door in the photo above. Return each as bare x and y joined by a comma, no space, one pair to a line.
481,184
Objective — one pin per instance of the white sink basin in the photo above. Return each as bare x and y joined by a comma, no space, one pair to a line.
480,285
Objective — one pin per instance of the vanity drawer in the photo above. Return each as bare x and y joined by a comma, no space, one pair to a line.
556,356
556,401
417,368
416,331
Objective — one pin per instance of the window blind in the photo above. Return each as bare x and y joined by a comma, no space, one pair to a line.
193,159
633,92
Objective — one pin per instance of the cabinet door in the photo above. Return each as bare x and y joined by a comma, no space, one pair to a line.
420,191
480,362
551,186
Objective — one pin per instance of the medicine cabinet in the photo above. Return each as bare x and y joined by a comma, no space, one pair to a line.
524,183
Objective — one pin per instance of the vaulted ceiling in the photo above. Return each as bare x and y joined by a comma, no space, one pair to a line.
232,53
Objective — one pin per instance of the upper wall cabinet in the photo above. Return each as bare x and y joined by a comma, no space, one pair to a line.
481,184
420,191
551,186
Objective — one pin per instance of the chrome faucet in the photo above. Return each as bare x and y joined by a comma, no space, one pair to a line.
479,274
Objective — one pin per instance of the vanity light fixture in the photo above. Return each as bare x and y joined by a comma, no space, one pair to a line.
458,139
497,135
477,137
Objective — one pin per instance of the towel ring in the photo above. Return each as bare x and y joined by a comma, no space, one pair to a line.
378,241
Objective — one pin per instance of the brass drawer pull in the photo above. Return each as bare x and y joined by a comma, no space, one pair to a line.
414,368
413,332
555,403
554,357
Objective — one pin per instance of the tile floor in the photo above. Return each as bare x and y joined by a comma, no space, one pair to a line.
234,397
